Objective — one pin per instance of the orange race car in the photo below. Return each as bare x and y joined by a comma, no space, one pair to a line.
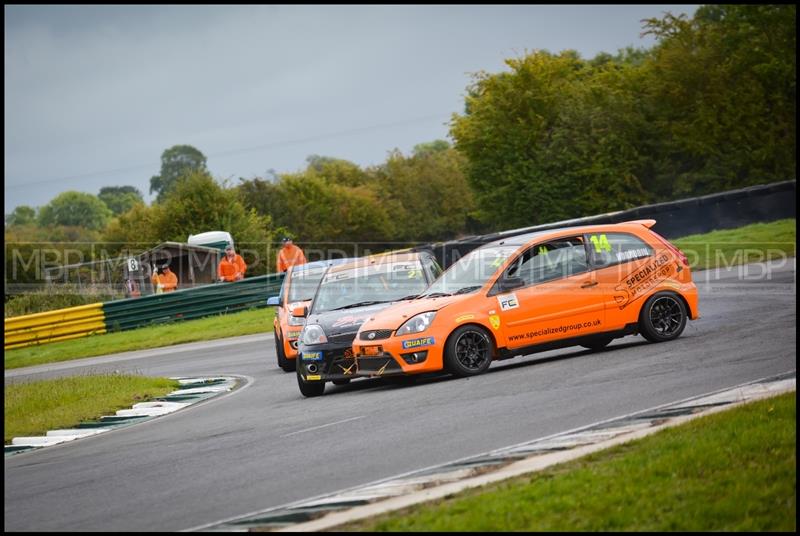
299,286
539,291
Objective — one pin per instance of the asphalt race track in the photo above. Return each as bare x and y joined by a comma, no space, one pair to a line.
264,445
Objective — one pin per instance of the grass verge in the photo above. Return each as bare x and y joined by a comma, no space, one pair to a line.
33,408
202,329
752,243
732,471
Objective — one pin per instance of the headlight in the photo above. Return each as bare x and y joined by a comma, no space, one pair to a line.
313,334
296,320
417,324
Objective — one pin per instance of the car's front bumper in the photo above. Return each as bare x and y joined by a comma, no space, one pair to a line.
326,362
395,356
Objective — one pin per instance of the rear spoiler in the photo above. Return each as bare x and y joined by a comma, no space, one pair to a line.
646,223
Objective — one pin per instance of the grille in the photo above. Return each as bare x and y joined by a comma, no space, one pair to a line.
379,335
339,338
377,365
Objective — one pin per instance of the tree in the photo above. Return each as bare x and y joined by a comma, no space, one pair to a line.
176,162
75,208
336,171
21,215
723,88
120,199
431,147
426,194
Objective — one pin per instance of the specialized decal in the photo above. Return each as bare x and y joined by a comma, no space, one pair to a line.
418,343
312,356
494,320
632,254
293,334
464,318
600,243
642,280
508,301
311,377
349,321
557,329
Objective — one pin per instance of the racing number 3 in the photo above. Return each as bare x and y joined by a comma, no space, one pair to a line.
600,243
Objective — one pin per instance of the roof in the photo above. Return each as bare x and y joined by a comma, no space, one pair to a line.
377,259
320,264
523,239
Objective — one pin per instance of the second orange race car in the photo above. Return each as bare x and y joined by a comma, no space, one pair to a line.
534,292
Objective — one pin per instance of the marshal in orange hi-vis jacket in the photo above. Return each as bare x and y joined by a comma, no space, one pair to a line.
232,266
580,286
290,255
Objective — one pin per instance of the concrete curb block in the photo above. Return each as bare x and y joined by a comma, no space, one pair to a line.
192,391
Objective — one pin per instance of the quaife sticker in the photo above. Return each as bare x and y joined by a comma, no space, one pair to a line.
417,343
508,301
312,356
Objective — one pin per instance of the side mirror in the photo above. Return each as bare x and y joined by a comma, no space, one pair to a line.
274,300
510,283
300,312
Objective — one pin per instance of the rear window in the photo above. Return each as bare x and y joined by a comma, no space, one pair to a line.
608,249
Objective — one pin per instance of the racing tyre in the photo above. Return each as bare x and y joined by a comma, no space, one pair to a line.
287,365
663,317
309,389
468,351
598,344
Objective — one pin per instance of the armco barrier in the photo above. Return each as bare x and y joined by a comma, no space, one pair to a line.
52,326
186,304
674,219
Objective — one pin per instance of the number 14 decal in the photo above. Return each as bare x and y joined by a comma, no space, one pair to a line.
600,243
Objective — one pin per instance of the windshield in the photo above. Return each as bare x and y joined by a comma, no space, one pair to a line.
472,271
365,285
304,284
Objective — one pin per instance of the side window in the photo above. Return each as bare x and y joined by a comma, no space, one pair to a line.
551,260
608,249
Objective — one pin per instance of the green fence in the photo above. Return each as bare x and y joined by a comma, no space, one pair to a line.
217,298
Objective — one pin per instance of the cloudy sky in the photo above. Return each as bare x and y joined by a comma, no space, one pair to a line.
95,94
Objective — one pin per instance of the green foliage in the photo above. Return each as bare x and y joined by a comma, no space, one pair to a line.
724,84
417,198
196,204
710,108
30,249
176,162
120,199
21,215
426,194
75,209
60,296
431,147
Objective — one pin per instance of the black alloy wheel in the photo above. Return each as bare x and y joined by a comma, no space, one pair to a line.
663,317
468,351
